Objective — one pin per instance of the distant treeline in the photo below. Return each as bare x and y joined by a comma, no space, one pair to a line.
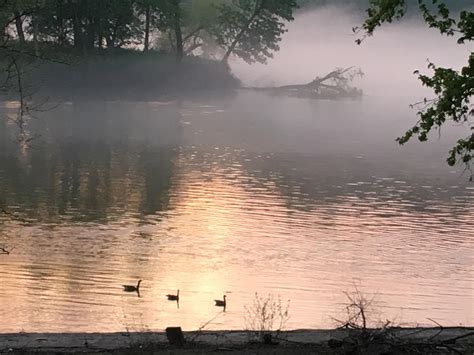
131,38
249,29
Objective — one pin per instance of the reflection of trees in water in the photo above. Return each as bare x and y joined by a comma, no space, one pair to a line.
95,162
309,181
97,159
157,171
84,173
305,182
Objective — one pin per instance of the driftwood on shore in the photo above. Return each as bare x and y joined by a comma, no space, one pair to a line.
334,85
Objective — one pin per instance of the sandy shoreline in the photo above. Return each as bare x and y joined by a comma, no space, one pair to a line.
297,341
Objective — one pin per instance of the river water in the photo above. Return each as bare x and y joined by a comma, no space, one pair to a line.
233,195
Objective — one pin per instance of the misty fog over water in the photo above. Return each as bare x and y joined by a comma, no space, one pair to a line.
243,193
318,41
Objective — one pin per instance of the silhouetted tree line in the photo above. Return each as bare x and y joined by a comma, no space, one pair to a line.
250,29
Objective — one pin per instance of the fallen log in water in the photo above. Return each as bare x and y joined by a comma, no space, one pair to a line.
334,85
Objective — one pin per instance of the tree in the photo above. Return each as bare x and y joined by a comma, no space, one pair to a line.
184,21
198,18
251,29
453,88
86,23
14,12
16,63
175,15
168,19
19,27
52,20
148,7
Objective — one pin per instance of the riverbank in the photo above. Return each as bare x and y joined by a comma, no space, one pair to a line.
121,74
337,341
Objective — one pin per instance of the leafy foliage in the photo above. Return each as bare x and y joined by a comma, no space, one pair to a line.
88,23
251,29
453,89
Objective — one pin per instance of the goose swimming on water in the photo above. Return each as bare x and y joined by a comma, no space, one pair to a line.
173,297
131,288
221,303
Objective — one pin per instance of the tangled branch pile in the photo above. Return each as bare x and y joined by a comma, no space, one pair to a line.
334,85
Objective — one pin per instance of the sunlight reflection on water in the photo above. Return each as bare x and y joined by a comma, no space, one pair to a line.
232,203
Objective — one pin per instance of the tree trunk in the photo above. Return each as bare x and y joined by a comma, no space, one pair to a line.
109,42
177,31
76,27
100,40
90,34
35,36
77,34
61,34
19,27
147,28
3,34
113,37
179,41
60,24
34,19
258,8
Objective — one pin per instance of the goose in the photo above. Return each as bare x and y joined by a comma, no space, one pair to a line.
173,297
130,288
220,303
